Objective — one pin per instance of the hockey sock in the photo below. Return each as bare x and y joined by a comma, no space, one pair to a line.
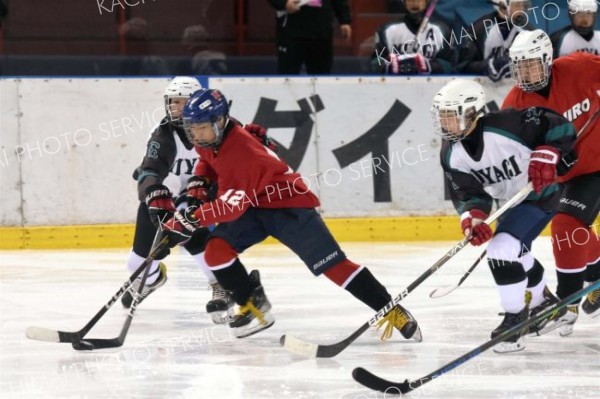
134,261
592,272
570,250
569,283
199,258
365,287
503,259
535,278
234,278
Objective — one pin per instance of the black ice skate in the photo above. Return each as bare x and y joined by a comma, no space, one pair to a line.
556,319
253,316
127,297
402,320
591,304
515,342
220,307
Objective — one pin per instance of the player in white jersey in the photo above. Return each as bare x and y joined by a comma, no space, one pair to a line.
399,52
162,186
493,156
580,34
485,50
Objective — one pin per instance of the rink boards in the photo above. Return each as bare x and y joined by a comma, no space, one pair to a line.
365,146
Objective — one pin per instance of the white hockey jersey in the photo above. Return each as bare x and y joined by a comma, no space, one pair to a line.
567,41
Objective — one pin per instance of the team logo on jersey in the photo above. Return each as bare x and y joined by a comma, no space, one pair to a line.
183,163
577,110
493,174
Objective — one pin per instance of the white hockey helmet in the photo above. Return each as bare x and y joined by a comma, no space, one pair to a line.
584,25
456,108
531,60
180,86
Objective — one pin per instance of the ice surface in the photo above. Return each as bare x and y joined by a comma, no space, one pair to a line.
174,351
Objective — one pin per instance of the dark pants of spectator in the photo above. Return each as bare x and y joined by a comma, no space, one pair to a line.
316,54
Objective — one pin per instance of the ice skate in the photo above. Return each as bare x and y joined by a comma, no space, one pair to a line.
221,306
515,342
556,319
591,304
254,315
402,320
567,328
127,297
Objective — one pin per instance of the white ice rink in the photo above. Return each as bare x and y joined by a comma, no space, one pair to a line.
174,351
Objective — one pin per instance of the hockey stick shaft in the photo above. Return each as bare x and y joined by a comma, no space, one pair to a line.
440,292
424,23
44,334
101,343
370,380
304,348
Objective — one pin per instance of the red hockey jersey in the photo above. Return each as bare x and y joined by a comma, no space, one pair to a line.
248,174
575,94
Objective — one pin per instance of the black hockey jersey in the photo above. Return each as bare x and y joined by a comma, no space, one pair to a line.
489,37
567,40
492,162
170,159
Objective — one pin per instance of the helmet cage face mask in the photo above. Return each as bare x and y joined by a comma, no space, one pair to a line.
530,74
190,126
453,123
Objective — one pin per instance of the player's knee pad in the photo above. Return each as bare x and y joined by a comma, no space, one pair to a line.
570,242
343,272
218,252
505,247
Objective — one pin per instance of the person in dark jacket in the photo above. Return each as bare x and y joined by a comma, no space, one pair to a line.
304,34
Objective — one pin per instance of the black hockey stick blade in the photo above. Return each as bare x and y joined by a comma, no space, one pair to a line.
375,383
370,380
49,335
299,346
443,291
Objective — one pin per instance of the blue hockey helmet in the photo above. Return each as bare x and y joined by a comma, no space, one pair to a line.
206,106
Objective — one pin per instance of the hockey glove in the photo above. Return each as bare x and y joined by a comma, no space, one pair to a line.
473,227
180,227
408,64
261,134
542,167
160,203
197,190
498,68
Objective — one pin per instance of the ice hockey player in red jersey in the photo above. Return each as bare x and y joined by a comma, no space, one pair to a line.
492,156
260,196
569,86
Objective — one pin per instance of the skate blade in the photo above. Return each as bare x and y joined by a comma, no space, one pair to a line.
566,330
508,347
552,326
253,327
417,336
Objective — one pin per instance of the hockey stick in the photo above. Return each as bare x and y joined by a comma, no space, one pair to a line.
443,291
45,334
376,383
424,23
299,346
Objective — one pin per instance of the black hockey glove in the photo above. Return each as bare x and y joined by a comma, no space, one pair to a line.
498,68
180,227
197,191
160,203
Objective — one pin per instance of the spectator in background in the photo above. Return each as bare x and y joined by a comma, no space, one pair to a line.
304,34
485,52
399,52
204,61
140,62
580,34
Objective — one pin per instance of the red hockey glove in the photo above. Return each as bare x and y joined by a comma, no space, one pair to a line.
542,167
197,190
160,203
473,227
408,64
180,227
261,134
